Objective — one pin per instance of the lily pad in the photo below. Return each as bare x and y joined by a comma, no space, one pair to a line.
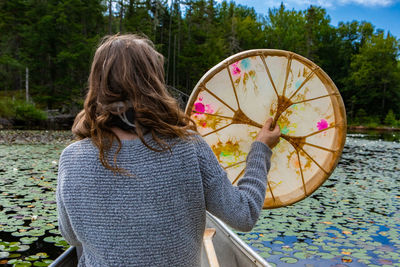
28,240
61,243
4,255
289,260
22,248
40,263
42,255
32,258
356,210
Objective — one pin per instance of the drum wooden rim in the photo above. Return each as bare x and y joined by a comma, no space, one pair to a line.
337,103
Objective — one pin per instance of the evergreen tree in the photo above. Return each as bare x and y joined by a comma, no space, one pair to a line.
13,25
285,30
375,75
56,39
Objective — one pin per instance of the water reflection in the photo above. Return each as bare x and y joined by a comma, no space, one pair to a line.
376,135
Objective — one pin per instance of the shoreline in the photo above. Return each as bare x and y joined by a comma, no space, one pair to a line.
22,137
43,136
66,128
361,128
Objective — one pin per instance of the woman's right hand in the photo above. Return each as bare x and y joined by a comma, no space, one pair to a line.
268,136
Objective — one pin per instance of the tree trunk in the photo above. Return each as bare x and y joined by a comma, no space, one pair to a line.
109,16
155,22
179,42
174,63
27,84
169,40
121,14
383,100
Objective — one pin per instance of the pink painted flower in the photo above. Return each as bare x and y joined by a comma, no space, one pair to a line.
235,69
322,124
199,107
209,109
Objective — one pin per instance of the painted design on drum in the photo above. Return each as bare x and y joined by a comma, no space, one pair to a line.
272,185
235,69
294,162
284,121
242,71
228,152
303,108
202,115
286,126
253,135
322,124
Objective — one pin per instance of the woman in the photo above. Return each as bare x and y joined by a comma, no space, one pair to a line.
135,189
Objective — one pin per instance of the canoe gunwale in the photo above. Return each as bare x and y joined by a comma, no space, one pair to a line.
239,243
68,256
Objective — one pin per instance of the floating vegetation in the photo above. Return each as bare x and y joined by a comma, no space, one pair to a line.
14,137
352,220
28,214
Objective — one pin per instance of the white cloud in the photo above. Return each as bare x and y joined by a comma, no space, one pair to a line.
327,3
301,4
383,3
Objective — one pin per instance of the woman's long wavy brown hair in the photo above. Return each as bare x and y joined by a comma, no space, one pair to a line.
127,68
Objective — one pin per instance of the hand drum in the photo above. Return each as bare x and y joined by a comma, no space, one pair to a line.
232,101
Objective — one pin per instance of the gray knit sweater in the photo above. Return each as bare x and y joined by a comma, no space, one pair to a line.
156,217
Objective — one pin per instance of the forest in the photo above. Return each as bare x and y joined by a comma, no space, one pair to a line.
46,47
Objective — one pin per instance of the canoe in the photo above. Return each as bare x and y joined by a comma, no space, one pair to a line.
230,250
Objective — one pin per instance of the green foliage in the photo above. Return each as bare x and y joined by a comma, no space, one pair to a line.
362,118
375,74
56,41
20,110
6,111
286,30
390,119
28,112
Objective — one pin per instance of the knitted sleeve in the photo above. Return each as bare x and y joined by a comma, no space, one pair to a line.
64,224
239,206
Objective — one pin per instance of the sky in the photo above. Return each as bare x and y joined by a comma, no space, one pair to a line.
383,14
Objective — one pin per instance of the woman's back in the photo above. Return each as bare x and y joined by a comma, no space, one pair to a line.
154,217
157,216
143,202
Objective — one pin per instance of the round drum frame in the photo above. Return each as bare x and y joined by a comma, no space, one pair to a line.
285,101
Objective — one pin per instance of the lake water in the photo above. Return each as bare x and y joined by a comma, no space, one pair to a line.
352,220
